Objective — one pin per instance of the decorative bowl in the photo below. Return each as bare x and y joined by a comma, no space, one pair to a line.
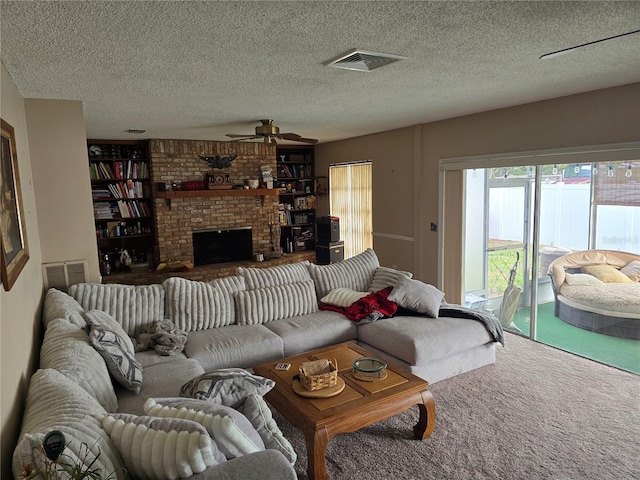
369,369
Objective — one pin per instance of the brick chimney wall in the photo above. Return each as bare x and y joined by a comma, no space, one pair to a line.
178,161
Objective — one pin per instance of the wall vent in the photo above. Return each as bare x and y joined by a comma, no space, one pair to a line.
362,61
62,275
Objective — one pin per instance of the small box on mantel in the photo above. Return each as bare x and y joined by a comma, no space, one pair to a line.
330,252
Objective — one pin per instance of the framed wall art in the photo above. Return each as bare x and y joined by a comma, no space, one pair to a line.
15,250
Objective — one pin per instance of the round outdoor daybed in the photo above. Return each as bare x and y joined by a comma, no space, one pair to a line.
584,300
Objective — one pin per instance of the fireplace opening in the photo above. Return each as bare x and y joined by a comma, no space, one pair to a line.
222,246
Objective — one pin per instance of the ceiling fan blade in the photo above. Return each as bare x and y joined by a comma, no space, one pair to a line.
296,138
238,135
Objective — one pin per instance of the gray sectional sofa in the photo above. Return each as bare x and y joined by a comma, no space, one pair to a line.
258,315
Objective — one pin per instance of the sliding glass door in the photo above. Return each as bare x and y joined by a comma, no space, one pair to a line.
519,219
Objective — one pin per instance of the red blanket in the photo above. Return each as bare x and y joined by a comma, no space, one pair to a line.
374,303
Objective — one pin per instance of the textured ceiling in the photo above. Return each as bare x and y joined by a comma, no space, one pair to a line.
199,70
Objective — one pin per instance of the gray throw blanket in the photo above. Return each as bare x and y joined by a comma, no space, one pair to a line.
490,322
163,337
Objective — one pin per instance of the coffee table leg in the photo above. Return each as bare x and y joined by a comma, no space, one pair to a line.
316,452
427,420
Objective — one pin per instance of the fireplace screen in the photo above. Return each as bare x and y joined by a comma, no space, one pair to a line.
221,246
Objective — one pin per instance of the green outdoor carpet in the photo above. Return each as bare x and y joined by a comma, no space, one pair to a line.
618,352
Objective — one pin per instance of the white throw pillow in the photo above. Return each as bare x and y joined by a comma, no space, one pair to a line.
230,430
160,448
632,270
578,279
417,296
342,297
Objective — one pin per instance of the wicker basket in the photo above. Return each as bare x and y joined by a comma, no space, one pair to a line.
319,374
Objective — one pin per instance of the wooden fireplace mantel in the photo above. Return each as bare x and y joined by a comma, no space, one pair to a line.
231,192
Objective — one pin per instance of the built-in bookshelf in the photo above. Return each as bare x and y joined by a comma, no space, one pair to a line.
297,200
122,206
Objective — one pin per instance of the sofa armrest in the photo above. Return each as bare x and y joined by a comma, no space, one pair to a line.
255,466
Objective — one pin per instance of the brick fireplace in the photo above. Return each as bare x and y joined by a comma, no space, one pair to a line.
176,219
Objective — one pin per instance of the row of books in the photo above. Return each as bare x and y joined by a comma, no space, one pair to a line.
120,209
129,189
294,171
118,170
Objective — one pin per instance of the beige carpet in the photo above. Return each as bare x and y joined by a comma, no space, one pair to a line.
538,413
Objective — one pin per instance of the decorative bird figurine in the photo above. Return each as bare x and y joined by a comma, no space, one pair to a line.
218,161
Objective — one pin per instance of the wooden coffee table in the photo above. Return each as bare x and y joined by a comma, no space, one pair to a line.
360,404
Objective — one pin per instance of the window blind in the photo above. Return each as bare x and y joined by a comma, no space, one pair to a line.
350,200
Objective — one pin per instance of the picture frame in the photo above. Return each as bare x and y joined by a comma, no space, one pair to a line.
15,249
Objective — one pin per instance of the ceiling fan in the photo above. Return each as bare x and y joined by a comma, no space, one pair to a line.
270,133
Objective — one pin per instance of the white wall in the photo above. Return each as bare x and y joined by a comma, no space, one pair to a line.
58,146
20,307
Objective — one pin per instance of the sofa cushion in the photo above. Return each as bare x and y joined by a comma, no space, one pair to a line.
58,304
355,273
162,379
134,307
55,402
279,275
256,410
342,297
160,448
230,430
314,330
120,359
195,305
226,386
386,277
66,348
418,340
273,303
417,296
233,346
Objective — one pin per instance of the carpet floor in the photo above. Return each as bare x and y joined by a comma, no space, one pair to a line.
537,413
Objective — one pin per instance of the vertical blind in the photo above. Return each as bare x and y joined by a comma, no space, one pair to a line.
350,200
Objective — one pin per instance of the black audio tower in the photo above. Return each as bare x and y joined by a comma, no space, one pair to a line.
328,229
329,247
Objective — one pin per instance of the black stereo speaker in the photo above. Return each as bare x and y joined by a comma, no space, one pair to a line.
328,229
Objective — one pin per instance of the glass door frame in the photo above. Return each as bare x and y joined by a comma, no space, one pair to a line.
450,263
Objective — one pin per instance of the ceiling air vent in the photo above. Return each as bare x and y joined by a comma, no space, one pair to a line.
362,60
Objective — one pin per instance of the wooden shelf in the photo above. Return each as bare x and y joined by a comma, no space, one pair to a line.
231,192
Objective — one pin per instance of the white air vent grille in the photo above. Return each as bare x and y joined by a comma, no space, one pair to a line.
62,275
363,61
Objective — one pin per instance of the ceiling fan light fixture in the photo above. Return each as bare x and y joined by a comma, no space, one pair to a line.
362,60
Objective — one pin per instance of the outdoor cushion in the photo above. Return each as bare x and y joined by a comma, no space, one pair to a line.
632,270
606,273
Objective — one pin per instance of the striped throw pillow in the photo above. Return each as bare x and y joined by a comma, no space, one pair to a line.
355,273
274,303
280,275
386,277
